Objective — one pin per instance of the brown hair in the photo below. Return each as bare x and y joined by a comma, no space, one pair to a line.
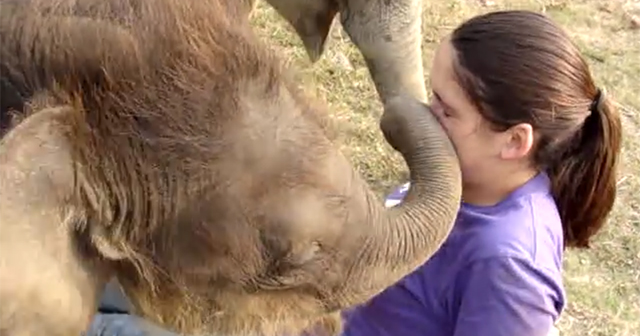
520,67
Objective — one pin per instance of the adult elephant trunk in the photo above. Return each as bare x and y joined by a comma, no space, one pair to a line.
404,237
388,34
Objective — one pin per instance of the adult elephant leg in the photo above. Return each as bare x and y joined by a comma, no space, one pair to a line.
311,19
388,34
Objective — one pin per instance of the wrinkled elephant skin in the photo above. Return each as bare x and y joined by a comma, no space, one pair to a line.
387,33
164,144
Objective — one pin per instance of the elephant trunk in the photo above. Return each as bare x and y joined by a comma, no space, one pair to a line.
388,34
404,237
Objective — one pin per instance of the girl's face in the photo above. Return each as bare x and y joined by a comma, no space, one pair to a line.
483,152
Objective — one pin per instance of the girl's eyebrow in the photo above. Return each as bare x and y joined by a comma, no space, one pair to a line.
435,94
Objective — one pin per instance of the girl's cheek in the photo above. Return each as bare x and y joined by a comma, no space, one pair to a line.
444,121
449,132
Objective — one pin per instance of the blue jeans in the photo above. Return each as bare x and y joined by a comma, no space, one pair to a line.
113,318
124,325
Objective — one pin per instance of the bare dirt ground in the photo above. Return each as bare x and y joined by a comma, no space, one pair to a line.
603,283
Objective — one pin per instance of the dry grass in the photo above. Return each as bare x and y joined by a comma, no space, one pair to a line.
603,284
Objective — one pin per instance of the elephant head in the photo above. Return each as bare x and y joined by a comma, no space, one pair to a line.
387,33
176,153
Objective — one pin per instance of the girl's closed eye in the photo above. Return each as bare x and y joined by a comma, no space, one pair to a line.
439,106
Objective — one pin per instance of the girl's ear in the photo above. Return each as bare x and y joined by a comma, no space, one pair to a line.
518,142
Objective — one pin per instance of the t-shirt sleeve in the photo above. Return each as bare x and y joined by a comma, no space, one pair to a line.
506,297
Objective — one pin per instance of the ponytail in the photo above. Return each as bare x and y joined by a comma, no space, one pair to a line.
584,178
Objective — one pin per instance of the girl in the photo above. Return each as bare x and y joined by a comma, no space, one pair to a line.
538,143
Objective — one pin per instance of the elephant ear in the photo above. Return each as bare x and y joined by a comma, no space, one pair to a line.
312,21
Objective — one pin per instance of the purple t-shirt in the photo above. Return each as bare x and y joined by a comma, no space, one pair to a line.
497,274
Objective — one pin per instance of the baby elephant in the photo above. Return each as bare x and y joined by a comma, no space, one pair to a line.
163,144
